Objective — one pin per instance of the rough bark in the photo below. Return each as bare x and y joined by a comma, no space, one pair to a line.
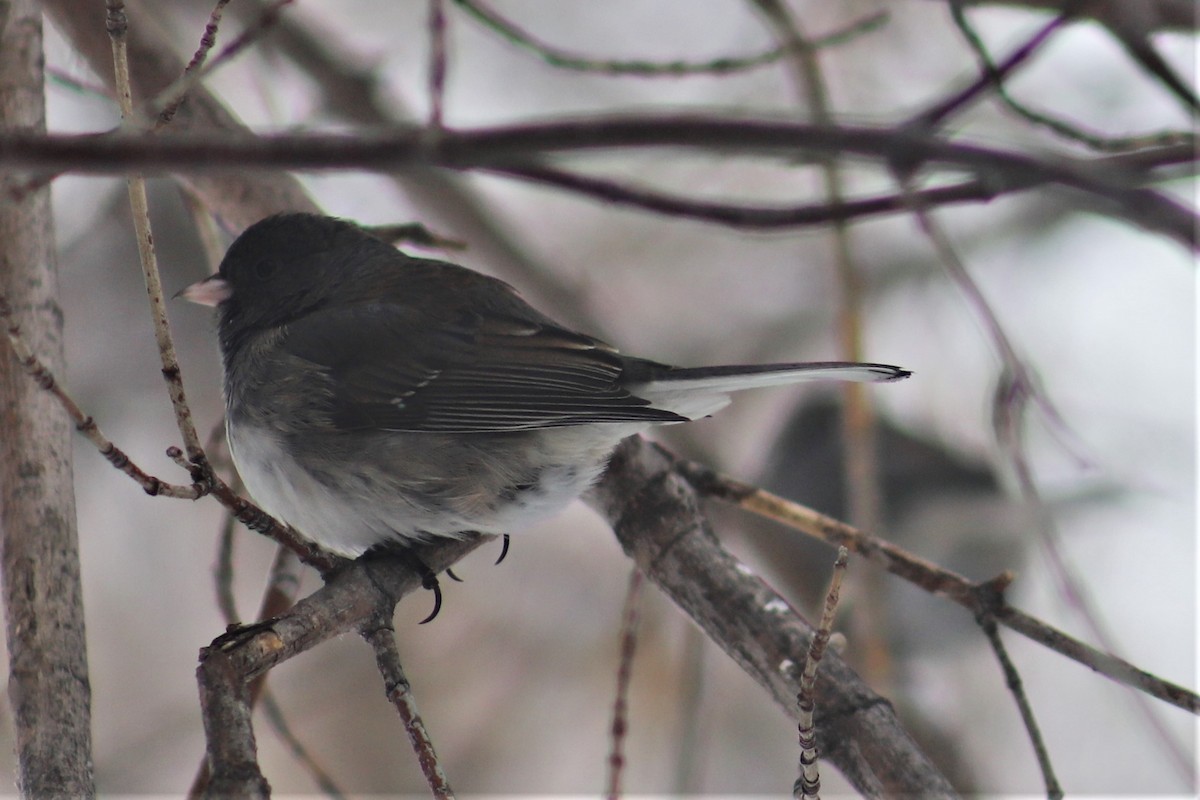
48,678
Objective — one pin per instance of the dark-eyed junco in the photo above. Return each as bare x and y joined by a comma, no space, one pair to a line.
373,397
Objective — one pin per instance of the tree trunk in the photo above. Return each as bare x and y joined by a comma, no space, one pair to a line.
48,680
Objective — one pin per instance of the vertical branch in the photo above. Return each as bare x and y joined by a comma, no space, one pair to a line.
630,617
808,785
1012,678
378,633
437,61
861,477
118,26
48,684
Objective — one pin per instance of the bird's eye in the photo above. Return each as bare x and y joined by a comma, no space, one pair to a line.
264,269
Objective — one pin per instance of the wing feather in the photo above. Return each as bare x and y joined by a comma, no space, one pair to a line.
393,367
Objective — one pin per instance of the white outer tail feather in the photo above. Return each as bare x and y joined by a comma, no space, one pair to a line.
705,391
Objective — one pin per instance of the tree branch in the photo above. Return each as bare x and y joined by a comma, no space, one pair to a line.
48,685
655,515
1113,193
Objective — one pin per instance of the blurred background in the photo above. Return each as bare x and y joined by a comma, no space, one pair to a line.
515,678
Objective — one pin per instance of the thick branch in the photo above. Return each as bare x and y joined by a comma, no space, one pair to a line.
48,673
656,518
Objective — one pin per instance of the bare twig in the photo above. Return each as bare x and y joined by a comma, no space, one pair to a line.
1155,15
1010,403
563,59
1012,679
117,25
808,785
991,75
170,98
995,75
630,619
932,578
1018,389
208,41
1176,149
380,634
46,381
858,428
437,62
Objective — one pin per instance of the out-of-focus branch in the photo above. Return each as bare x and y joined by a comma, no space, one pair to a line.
643,68
355,95
1114,194
1148,15
860,465
48,686
239,200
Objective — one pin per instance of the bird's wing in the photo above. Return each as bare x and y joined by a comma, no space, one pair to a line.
394,367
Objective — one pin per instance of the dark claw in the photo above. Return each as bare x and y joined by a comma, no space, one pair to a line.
430,582
503,549
450,574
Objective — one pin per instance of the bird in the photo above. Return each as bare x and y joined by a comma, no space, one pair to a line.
374,398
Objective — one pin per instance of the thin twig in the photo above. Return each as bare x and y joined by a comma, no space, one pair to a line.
45,380
1141,48
858,427
930,577
995,75
208,40
437,62
808,785
298,750
1012,679
242,509
991,75
170,98
117,25
1018,389
630,620
563,59
382,638
1010,402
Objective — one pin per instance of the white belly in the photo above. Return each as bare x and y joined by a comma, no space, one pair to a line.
353,505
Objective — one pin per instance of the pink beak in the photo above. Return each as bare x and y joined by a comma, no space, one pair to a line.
211,291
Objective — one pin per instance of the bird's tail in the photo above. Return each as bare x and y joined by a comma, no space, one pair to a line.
695,392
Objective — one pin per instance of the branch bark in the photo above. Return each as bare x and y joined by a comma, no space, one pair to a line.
407,146
48,684
655,514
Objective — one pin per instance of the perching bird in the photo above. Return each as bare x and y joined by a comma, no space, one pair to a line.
372,397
